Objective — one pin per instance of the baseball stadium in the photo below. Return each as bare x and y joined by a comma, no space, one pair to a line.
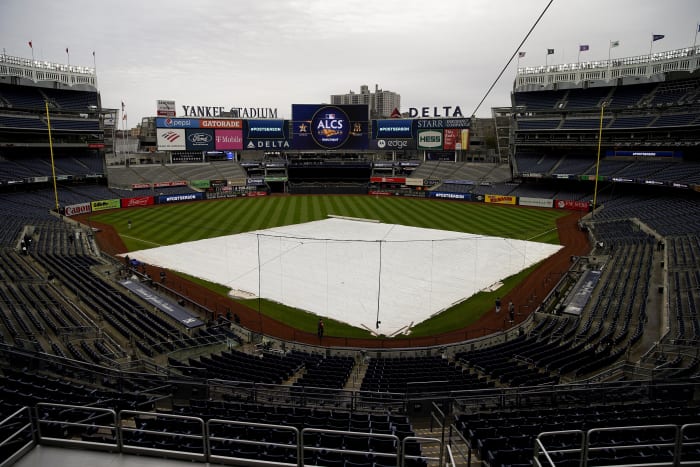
341,290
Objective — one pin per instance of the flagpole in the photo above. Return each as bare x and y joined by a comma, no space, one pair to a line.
68,54
651,45
697,28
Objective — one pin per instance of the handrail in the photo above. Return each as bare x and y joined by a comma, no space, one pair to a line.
26,447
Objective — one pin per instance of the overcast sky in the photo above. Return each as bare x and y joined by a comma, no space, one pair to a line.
263,53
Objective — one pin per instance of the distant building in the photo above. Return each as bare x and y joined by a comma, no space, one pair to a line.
381,103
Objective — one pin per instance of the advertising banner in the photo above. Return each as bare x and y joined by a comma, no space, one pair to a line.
170,184
500,199
465,140
165,108
442,123
266,134
429,139
177,122
255,181
164,199
138,201
75,209
228,139
399,180
414,182
200,183
449,195
221,123
199,140
265,129
394,144
170,140
330,126
393,128
572,205
140,186
105,204
535,202
451,137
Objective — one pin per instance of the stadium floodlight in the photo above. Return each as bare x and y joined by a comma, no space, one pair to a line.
597,164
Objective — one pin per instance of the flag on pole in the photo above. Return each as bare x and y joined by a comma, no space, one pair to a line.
521,54
122,106
66,49
614,44
550,51
124,116
30,45
583,48
93,54
656,37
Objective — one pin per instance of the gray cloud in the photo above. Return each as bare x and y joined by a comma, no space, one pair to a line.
275,53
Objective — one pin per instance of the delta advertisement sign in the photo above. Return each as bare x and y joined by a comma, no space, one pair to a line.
317,126
266,134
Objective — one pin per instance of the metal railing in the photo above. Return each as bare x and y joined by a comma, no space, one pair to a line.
22,436
216,440
657,445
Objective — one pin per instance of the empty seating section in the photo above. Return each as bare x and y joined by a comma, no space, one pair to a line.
584,123
329,372
667,215
234,365
629,96
676,119
632,122
19,123
71,100
538,100
507,436
684,288
418,375
532,124
535,162
573,164
23,97
586,98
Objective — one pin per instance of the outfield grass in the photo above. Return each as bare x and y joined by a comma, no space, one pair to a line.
177,223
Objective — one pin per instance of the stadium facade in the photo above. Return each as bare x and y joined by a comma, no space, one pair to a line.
96,354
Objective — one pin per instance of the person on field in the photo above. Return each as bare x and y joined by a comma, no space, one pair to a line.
320,328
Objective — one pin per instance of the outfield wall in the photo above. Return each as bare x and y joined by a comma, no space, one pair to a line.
137,201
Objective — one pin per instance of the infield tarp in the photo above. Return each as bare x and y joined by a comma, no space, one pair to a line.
353,271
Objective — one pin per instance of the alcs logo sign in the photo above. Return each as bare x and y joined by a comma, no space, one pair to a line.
330,127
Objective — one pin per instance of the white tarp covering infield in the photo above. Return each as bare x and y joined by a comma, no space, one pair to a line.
349,269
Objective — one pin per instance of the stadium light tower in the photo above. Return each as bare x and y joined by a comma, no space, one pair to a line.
597,164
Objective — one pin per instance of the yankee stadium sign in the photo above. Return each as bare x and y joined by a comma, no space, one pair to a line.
235,112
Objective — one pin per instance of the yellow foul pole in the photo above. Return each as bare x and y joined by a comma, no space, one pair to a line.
53,167
597,164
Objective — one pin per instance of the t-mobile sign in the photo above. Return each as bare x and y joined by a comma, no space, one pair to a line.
228,139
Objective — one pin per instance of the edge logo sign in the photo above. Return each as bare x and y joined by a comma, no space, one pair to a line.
330,127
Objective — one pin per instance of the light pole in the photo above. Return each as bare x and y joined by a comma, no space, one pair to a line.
597,164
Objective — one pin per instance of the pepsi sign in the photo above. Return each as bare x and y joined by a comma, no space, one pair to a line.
177,122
